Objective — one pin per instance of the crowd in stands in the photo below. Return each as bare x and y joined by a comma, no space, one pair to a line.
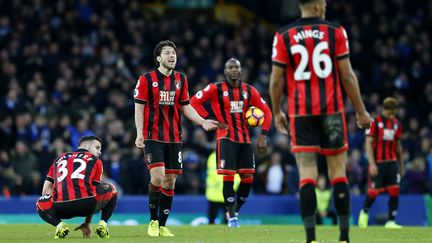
68,68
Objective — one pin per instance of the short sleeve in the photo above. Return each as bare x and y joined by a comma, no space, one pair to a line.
141,91
399,131
372,130
279,51
98,170
50,175
184,94
342,44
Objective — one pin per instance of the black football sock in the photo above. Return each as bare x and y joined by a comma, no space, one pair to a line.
393,207
165,201
229,195
341,198
243,192
308,206
370,199
153,194
109,208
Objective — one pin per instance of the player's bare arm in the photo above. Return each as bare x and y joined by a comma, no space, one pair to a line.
47,187
276,87
399,153
262,144
351,87
373,169
192,115
139,121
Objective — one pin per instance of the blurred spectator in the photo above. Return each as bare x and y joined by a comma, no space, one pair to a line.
134,176
272,173
192,179
323,196
25,163
356,171
416,178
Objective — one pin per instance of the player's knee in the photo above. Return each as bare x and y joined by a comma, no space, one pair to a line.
393,191
306,181
157,179
228,178
247,179
373,193
113,188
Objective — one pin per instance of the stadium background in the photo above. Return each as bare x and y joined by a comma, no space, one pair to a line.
69,68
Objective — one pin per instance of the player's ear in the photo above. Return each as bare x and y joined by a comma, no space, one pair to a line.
159,59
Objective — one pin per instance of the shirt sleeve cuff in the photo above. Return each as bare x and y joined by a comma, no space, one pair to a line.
185,102
143,102
49,179
279,64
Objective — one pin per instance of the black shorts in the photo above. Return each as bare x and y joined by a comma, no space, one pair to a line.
234,157
324,134
388,175
78,208
164,154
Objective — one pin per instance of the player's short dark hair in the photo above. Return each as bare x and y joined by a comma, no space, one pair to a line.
390,103
158,49
89,138
302,2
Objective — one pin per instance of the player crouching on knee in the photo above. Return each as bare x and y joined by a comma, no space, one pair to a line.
73,188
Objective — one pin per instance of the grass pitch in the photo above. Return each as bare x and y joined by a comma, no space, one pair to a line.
246,233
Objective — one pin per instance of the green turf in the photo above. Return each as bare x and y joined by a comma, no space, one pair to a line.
264,233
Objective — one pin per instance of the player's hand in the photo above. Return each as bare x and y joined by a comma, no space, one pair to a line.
262,144
281,123
210,125
139,141
401,171
364,121
86,230
373,169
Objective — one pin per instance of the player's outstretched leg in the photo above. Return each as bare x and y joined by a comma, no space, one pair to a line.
243,191
45,210
341,197
165,202
363,220
308,207
153,193
393,192
229,200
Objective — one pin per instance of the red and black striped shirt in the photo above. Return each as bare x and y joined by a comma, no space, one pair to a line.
75,175
229,105
386,133
309,49
162,97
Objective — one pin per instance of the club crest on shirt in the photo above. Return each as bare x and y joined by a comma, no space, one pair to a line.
245,94
177,84
148,158
166,97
